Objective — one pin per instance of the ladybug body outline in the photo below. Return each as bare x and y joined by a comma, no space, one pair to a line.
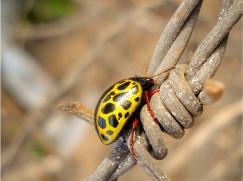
117,105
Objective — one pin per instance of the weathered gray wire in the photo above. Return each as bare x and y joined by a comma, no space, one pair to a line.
175,51
177,103
178,99
111,162
38,116
171,31
213,46
186,9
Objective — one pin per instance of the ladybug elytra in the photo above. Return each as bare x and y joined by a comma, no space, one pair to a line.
117,106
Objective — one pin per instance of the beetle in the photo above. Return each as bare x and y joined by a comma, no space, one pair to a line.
119,106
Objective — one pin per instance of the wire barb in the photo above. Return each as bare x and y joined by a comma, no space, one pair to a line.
181,96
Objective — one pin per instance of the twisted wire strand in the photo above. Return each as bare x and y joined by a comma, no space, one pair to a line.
174,107
181,96
176,35
177,104
171,32
172,44
177,47
212,47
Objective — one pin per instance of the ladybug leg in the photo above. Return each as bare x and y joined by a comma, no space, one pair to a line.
147,95
152,92
135,123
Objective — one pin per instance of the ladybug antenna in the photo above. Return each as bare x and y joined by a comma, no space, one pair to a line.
165,71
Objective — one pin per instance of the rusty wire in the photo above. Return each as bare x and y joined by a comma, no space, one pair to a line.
181,96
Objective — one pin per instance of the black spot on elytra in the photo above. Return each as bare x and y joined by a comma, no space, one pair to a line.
109,132
119,114
135,89
104,137
127,114
109,107
122,81
109,96
126,104
101,122
123,86
136,99
113,121
119,96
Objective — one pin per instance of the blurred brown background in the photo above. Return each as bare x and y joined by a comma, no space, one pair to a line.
57,51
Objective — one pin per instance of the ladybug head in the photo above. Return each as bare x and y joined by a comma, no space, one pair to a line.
146,82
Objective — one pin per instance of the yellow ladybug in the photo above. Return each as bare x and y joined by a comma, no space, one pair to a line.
116,106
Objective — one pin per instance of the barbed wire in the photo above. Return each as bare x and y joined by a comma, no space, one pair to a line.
69,81
181,96
167,53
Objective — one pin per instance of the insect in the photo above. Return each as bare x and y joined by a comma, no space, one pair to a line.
119,106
